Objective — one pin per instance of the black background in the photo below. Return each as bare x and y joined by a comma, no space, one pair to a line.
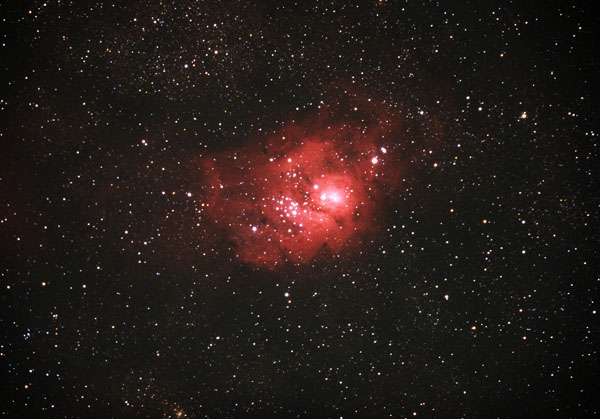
479,298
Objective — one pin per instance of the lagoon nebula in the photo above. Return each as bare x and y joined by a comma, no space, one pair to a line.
309,189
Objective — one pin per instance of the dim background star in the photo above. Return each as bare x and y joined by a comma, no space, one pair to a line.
454,273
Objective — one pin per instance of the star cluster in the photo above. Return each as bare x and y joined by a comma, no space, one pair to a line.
298,209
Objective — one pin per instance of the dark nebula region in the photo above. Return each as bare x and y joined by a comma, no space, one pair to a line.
311,189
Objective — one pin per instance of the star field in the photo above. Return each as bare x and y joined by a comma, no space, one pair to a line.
298,209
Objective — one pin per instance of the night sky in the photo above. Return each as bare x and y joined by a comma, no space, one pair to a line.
299,209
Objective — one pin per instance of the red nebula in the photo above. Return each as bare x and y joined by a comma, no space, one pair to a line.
308,190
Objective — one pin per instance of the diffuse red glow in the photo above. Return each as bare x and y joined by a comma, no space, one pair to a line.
307,191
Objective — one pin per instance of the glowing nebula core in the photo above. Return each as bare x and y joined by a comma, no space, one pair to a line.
311,189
